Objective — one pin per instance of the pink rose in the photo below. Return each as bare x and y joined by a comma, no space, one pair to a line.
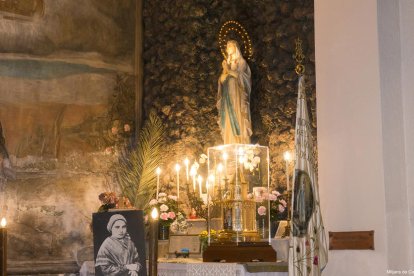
276,193
272,197
261,210
283,202
171,215
281,208
114,130
164,216
127,128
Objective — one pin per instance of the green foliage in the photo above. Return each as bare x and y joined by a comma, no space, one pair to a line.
136,168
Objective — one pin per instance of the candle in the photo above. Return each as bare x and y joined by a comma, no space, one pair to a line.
177,169
158,172
219,170
193,175
186,162
225,157
200,181
211,179
287,158
3,246
207,196
153,243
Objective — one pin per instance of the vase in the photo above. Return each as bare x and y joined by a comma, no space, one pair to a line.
273,228
163,232
262,227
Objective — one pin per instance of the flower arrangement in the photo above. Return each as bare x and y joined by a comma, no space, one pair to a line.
180,225
204,238
109,200
168,208
277,203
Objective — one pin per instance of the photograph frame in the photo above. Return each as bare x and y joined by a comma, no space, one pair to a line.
116,251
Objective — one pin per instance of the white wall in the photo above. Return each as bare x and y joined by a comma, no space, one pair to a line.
397,216
365,109
351,172
407,58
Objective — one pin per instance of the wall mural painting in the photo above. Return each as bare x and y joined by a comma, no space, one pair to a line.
66,104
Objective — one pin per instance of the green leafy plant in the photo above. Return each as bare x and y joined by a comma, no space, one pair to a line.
136,167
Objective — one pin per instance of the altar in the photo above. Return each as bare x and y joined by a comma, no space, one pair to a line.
197,267
170,266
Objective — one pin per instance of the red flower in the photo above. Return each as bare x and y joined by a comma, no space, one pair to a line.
315,260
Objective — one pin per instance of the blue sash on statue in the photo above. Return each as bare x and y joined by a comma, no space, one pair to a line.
226,103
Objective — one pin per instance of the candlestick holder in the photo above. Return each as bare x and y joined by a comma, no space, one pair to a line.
289,214
153,244
3,248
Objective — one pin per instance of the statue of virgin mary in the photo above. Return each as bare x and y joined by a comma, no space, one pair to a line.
233,103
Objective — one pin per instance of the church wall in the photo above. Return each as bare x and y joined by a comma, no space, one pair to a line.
60,67
394,148
182,63
407,44
350,142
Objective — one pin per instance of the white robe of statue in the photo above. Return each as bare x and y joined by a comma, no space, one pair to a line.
233,104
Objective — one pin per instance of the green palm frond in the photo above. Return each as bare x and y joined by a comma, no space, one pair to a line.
136,168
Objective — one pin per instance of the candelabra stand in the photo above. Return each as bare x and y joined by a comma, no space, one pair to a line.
289,214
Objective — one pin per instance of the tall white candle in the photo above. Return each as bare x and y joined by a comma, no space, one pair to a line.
158,172
193,175
186,162
177,169
287,158
200,181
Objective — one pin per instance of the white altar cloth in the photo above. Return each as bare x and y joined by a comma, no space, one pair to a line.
195,267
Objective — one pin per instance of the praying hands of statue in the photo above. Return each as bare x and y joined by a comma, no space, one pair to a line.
224,74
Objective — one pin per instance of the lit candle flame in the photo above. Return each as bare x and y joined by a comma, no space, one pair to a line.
154,214
220,168
287,156
3,223
177,167
158,171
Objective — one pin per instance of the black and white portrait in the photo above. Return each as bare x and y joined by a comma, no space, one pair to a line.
119,243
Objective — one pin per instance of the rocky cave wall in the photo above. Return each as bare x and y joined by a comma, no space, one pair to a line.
183,62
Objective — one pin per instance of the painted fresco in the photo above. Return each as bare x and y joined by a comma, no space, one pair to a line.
66,102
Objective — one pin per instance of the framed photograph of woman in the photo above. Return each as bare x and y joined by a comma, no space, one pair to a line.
119,243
